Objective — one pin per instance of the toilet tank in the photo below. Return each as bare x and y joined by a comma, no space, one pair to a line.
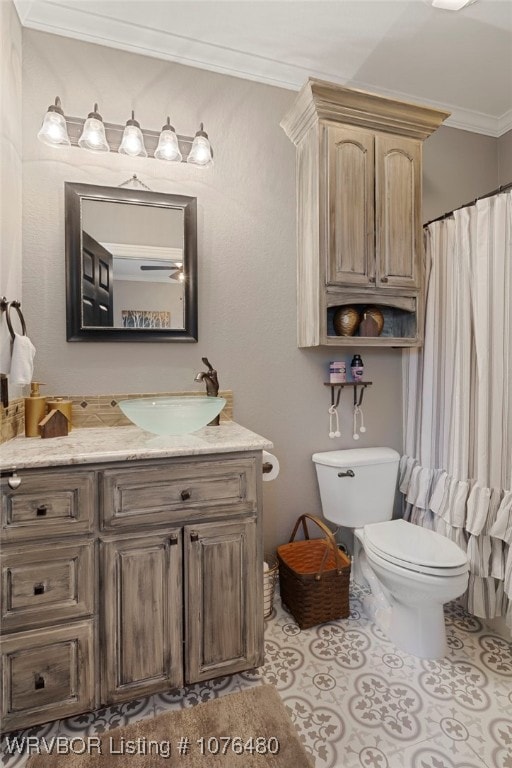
365,491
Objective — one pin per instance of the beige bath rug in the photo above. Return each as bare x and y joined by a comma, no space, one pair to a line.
250,729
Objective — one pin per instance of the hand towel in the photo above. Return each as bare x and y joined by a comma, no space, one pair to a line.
22,363
5,353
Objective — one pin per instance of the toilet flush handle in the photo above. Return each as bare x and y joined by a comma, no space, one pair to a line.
348,473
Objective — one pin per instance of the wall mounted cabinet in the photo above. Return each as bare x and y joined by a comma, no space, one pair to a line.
358,211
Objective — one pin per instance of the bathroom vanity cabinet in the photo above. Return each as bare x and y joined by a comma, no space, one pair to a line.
359,211
121,579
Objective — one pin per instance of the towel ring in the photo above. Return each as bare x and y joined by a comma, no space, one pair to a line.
17,307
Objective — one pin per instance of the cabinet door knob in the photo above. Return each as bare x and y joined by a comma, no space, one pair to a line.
173,539
14,481
185,495
384,279
194,536
39,682
371,279
41,510
39,589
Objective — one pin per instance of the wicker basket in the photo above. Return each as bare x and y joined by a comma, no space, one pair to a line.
269,583
314,577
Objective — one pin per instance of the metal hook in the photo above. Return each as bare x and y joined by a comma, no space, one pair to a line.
357,403
335,401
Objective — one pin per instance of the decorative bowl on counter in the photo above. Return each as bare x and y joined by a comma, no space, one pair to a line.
170,415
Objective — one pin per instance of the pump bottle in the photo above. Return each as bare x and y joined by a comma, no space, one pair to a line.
35,410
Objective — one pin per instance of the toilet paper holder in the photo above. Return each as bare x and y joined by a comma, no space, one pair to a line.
266,467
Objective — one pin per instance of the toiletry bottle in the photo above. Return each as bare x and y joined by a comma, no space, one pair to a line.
337,372
35,410
357,368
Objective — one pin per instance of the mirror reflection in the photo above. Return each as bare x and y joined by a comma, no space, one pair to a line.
131,265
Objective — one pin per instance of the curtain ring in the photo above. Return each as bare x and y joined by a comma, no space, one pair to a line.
17,307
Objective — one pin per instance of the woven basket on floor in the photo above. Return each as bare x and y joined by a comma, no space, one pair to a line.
314,576
269,583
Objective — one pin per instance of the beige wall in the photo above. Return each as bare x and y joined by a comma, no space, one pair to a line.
458,166
10,165
505,158
246,240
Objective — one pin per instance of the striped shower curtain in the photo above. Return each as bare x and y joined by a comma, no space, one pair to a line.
456,472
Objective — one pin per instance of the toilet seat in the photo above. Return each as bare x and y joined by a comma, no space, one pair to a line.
414,548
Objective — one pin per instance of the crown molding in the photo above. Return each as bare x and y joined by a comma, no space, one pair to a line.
23,8
505,123
322,100
75,23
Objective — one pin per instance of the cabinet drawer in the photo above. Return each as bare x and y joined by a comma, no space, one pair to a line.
42,584
46,674
174,492
48,504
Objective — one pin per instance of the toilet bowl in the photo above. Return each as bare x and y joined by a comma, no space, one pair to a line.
411,571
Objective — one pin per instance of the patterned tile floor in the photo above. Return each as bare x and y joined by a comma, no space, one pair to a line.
357,701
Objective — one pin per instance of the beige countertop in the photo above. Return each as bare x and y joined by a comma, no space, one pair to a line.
91,446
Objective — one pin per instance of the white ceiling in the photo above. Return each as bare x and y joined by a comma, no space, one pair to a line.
406,48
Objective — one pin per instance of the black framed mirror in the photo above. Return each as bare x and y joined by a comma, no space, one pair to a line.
131,265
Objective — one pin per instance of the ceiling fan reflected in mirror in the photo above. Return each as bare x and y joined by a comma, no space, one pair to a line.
176,268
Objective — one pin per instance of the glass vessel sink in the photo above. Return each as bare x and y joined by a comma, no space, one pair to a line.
172,415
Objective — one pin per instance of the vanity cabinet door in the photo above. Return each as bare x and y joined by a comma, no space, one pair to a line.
47,503
141,592
46,674
223,599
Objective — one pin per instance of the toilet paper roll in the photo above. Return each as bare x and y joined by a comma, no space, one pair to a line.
269,458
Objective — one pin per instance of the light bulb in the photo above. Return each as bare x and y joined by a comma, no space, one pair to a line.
54,131
201,151
452,5
168,148
93,135
133,140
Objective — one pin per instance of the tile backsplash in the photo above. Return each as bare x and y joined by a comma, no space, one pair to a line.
94,411
12,420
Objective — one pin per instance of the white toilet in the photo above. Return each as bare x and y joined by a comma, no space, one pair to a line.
410,570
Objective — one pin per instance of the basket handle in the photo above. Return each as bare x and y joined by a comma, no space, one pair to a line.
329,536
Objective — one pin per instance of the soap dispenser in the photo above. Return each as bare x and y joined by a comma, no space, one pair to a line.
35,410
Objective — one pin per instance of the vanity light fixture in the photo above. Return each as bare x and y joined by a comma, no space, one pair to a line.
96,135
93,135
54,131
201,151
168,147
133,141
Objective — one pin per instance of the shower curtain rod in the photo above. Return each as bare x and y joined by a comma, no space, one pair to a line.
466,205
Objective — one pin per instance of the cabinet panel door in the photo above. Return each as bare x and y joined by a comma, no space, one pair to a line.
141,589
350,180
223,602
43,585
398,221
48,503
46,674
164,494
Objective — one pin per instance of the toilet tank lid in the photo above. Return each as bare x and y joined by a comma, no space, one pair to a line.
357,457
